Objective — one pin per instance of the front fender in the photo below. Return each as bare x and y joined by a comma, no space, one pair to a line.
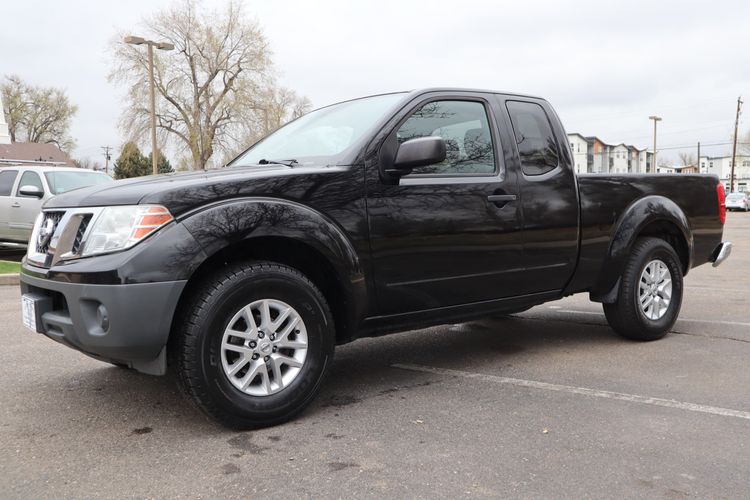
627,229
219,225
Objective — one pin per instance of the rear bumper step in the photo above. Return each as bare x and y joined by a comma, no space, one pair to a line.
721,253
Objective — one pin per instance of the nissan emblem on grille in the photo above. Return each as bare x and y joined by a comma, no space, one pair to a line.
45,232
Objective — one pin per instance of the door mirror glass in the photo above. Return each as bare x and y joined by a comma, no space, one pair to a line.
31,191
419,152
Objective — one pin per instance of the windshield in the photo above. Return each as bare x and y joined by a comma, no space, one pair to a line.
62,182
321,134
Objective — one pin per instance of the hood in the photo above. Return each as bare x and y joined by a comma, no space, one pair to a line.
176,191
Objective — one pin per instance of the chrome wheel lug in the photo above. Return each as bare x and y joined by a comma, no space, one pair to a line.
275,349
255,355
272,337
266,358
253,344
261,335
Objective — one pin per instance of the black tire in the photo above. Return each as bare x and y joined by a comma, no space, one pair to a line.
196,344
625,315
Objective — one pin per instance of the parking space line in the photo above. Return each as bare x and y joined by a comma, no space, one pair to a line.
633,398
692,320
717,289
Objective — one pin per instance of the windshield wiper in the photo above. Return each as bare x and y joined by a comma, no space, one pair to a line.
289,163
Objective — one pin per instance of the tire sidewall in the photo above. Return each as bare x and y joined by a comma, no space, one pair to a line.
663,252
266,284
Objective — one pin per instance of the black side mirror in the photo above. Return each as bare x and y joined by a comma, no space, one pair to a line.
419,152
32,191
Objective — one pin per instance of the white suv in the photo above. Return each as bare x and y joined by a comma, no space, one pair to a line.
23,190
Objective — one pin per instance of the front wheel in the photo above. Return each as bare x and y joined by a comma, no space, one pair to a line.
253,344
650,293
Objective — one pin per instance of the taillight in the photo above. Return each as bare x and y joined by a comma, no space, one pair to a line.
721,196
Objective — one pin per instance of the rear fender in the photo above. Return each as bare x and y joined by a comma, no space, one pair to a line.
628,227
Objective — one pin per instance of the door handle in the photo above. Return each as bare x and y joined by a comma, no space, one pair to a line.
495,198
16,205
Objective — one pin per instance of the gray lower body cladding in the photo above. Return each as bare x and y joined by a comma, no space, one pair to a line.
125,323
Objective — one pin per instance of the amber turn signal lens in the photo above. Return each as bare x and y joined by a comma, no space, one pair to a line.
150,221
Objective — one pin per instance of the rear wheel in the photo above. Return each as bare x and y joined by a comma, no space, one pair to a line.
650,293
254,344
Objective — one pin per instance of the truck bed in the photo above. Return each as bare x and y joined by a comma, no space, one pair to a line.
606,198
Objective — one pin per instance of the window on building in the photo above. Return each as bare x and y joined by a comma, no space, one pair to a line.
746,163
465,128
536,142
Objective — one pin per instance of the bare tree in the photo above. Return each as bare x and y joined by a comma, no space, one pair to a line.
218,85
686,158
88,164
37,114
665,162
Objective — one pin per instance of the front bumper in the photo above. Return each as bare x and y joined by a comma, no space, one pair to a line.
721,253
119,323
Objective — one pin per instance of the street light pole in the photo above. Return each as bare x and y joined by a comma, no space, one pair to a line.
136,40
653,161
734,146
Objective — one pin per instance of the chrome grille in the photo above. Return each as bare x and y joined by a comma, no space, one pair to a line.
79,234
49,223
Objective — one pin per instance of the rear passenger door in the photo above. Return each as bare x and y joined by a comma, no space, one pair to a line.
549,194
7,183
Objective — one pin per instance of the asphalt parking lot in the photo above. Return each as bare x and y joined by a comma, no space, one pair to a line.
547,403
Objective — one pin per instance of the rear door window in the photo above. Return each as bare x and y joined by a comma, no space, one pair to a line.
7,178
537,147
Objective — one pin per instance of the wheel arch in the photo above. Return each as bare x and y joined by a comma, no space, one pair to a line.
288,233
655,216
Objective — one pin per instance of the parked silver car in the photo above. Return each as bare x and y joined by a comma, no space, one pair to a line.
738,201
23,190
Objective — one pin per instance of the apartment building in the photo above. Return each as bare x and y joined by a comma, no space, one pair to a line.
593,155
722,167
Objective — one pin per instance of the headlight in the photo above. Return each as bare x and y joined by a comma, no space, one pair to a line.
118,228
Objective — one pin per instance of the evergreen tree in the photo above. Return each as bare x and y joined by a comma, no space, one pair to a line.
163,166
131,163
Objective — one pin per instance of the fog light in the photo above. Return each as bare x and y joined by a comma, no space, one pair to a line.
102,317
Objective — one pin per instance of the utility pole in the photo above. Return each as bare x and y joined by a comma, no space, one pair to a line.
106,158
653,161
136,40
734,146
699,157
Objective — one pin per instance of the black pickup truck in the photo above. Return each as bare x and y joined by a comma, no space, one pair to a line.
370,216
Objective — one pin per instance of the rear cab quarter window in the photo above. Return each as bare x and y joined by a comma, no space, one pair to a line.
535,139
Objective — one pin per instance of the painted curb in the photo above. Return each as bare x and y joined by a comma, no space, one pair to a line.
9,279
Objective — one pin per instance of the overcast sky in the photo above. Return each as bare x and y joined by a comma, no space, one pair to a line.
605,66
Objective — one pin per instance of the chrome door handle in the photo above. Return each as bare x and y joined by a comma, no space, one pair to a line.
16,205
494,198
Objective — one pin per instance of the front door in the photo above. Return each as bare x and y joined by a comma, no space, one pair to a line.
446,234
25,208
